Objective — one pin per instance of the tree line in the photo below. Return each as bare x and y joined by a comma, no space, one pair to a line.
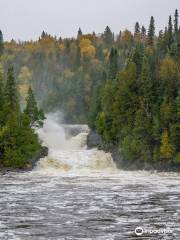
126,87
18,141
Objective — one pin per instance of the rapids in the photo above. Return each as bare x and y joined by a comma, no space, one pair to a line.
68,153
78,193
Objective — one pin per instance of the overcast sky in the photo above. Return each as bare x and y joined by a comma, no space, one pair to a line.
25,19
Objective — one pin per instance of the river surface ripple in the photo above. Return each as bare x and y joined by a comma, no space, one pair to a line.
78,193
98,206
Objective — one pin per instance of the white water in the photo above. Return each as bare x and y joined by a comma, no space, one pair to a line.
69,153
76,194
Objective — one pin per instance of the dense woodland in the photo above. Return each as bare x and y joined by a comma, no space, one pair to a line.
18,141
126,87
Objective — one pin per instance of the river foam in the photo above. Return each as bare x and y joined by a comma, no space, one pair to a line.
68,150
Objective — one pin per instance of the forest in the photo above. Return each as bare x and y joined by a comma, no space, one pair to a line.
125,86
18,141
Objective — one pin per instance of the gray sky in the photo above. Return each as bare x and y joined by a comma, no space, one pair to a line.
25,19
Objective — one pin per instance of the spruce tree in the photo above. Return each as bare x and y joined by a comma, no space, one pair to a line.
137,30
113,63
35,115
79,33
170,32
176,18
43,35
1,43
143,32
1,100
11,94
18,142
138,57
78,57
108,37
151,32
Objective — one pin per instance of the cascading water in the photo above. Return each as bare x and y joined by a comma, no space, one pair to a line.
68,152
76,193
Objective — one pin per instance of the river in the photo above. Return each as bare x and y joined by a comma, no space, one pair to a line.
76,193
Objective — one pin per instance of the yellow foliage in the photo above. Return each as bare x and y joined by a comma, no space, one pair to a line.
23,89
61,47
68,74
166,149
87,36
127,37
25,75
88,52
168,69
84,43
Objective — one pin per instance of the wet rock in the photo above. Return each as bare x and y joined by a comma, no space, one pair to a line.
43,152
94,140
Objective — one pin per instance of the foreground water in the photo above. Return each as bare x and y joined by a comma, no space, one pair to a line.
77,193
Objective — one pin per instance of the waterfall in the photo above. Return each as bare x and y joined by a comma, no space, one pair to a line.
68,150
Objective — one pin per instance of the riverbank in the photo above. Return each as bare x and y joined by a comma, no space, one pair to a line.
31,163
94,140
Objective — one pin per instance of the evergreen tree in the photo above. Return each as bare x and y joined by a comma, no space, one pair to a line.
138,57
170,32
79,33
108,37
178,105
1,99
176,26
137,31
43,35
78,57
151,32
1,43
35,115
11,94
143,33
113,63
18,142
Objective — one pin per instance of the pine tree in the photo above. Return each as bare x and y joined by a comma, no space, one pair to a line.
1,99
146,88
151,32
35,115
18,142
176,18
137,31
78,57
113,63
138,57
79,33
1,44
178,106
43,35
11,94
143,33
108,37
170,32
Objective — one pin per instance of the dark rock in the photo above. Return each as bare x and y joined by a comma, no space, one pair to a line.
94,140
40,154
